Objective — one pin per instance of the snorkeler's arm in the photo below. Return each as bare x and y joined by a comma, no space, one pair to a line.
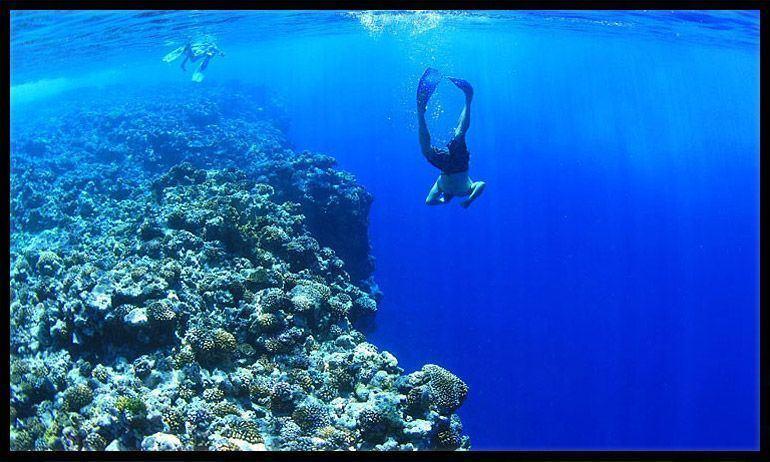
476,189
184,62
435,196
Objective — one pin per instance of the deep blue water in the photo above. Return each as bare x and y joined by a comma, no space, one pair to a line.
603,293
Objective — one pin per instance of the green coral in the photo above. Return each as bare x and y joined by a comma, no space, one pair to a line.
337,438
211,345
260,387
225,341
100,373
245,350
341,379
272,299
48,263
302,378
19,367
22,440
340,304
77,397
184,357
272,237
224,408
275,346
213,394
246,430
327,393
311,414
161,311
173,419
268,322
51,434
131,405
186,392
95,442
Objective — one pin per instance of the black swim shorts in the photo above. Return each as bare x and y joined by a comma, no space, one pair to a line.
452,159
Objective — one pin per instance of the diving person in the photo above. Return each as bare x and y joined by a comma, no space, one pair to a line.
453,161
193,51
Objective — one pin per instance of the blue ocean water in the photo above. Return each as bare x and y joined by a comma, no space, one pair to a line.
603,293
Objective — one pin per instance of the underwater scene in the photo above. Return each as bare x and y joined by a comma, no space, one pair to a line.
384,230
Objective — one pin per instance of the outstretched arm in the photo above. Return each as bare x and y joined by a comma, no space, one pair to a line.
476,189
436,197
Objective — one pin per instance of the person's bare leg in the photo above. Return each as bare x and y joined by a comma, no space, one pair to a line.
465,120
465,117
205,62
198,74
476,189
424,134
425,88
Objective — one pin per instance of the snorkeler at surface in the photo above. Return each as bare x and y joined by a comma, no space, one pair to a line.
194,51
452,160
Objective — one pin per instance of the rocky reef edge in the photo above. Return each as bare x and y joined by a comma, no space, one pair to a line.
182,279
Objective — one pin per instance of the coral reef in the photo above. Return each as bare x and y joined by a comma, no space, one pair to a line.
181,279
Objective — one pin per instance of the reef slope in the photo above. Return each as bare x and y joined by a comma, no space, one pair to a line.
182,279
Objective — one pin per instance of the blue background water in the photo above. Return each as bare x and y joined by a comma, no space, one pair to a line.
603,292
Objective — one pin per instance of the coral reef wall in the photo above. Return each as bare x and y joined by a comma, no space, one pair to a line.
182,279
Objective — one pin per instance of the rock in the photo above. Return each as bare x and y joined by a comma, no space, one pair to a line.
136,317
115,445
362,393
100,297
246,446
417,428
161,442
389,359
